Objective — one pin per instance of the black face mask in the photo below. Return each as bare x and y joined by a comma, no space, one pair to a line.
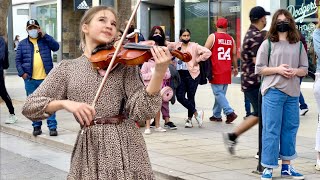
185,41
158,39
283,26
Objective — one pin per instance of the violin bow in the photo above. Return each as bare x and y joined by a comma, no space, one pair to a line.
115,54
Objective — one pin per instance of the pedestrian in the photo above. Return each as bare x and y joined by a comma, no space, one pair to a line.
158,36
109,146
133,34
281,60
303,105
190,75
250,82
223,50
34,62
4,64
316,87
16,42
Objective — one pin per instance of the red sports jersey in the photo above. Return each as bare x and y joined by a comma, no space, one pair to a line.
221,58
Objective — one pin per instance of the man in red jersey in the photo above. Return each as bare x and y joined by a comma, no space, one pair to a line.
223,49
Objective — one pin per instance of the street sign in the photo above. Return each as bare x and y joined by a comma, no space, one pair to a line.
82,4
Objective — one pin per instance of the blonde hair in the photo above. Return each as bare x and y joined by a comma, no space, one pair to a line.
86,19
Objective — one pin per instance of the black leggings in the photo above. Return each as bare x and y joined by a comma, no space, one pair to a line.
4,94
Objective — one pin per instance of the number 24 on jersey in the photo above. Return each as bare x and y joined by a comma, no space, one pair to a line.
224,54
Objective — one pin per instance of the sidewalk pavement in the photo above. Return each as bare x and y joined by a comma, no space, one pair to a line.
186,153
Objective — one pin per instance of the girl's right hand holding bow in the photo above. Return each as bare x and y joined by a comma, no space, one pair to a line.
83,112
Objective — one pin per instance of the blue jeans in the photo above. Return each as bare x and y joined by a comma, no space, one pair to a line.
247,105
31,85
220,100
252,96
280,120
303,104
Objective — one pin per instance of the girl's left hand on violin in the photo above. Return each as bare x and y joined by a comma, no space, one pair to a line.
162,58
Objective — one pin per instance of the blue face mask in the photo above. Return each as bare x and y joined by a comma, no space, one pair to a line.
33,33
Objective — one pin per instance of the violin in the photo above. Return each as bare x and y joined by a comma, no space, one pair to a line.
130,54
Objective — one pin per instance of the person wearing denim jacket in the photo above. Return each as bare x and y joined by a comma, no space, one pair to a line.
33,63
281,62
316,88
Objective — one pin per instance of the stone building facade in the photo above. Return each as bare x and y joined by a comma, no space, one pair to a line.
70,31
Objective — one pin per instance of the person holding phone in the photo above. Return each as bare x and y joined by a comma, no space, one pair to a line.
34,62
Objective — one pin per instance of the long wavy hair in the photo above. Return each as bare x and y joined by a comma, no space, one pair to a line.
293,33
154,28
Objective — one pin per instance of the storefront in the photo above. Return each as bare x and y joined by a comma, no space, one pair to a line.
305,13
200,17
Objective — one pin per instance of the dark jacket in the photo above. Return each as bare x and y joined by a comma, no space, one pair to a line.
205,71
4,61
2,52
174,81
25,51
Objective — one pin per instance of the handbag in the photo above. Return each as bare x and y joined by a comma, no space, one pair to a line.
166,92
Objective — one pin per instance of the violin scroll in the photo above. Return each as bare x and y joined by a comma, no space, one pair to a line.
185,57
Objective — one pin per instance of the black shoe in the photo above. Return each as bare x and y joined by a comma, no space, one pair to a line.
153,124
170,125
230,144
37,131
53,132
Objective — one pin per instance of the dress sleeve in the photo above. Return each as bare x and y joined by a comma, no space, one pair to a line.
54,87
140,105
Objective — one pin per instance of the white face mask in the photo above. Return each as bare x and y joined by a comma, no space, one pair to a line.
33,33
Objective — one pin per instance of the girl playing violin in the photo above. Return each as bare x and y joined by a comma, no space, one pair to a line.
109,146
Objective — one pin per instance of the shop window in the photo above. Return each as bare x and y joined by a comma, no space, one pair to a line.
47,18
23,12
200,17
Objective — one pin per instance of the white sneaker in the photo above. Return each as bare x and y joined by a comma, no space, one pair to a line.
188,123
12,119
303,111
160,129
256,156
199,118
147,131
317,167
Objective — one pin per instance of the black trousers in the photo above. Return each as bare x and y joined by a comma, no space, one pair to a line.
4,94
187,86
